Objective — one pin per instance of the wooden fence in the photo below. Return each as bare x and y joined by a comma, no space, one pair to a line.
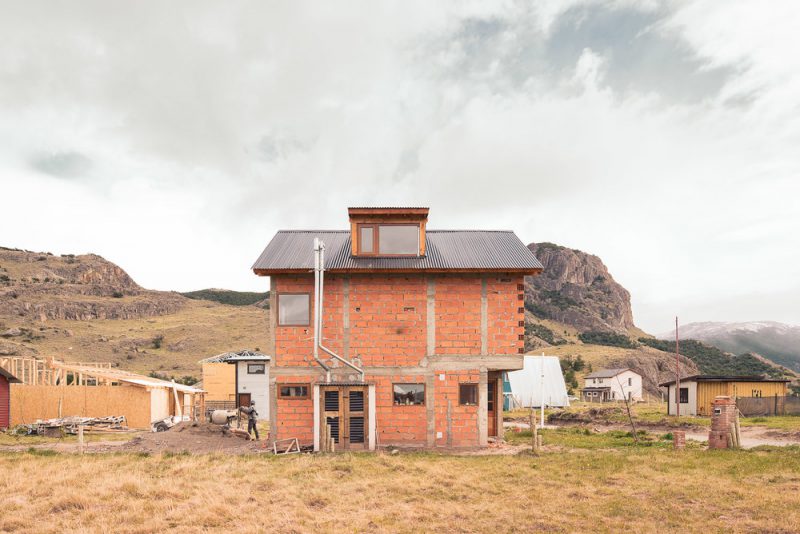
767,406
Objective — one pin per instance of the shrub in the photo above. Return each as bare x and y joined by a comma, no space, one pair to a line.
610,339
118,295
157,341
713,361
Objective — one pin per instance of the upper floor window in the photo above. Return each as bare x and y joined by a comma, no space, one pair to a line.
294,309
388,231
389,239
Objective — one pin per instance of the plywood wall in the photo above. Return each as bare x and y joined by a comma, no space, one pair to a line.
219,380
29,403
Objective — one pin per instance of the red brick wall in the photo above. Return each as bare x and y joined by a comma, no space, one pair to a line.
295,416
388,327
503,312
458,315
398,424
387,319
464,419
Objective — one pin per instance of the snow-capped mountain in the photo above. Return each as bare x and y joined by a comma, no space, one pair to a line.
777,341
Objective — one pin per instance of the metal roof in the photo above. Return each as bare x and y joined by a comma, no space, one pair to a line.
725,378
241,356
607,373
445,250
11,378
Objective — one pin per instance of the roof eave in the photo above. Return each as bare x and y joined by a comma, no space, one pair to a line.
526,271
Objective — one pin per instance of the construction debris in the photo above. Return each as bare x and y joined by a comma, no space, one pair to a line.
71,425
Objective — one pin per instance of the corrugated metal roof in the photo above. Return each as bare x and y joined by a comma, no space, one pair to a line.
11,378
484,250
241,356
725,378
606,373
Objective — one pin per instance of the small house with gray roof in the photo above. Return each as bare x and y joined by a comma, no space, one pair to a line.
390,333
608,385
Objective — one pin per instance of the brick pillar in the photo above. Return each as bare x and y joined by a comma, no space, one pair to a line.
679,439
723,413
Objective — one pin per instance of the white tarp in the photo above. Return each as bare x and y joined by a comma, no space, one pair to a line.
526,384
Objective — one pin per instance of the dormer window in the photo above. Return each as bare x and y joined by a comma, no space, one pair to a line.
388,240
388,231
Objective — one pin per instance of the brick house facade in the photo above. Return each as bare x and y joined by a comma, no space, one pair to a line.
415,335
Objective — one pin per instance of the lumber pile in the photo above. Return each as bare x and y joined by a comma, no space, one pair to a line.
71,425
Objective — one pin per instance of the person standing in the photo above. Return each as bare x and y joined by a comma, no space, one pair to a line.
252,418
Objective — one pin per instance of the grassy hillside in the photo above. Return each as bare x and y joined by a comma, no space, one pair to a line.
711,360
233,298
85,308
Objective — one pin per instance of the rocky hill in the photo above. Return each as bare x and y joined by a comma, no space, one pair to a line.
577,290
85,308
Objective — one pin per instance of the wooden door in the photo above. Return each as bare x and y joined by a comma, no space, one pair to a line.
344,409
243,400
491,405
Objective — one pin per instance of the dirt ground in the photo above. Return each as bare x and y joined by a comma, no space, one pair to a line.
195,438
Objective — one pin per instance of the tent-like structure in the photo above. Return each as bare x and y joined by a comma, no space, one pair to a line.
527,384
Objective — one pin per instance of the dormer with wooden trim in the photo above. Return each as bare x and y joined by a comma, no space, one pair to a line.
392,232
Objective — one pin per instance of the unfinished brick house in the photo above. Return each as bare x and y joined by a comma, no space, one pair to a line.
415,330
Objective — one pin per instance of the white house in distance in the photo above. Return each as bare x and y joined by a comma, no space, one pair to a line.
612,384
249,381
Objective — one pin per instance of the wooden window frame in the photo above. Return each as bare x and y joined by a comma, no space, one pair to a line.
294,385
263,368
278,308
409,384
376,239
477,394
680,396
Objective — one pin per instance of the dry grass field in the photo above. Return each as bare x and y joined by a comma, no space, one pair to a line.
597,482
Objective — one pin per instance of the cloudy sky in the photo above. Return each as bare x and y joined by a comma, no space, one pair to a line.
175,138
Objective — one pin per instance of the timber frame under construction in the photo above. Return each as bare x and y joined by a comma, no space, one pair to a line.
52,388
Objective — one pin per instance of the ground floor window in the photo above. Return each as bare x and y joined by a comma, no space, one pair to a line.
684,395
468,394
408,394
293,391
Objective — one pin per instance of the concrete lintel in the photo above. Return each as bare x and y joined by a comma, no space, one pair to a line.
494,362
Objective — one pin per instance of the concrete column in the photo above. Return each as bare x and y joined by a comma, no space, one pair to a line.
430,408
372,416
484,318
315,400
273,319
431,317
273,410
483,412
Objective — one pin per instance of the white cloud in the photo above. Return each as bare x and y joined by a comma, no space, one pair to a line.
175,140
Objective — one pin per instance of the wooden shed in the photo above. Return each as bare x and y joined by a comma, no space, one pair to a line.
6,379
698,392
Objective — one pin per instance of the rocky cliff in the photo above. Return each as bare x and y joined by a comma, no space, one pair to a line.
87,287
576,289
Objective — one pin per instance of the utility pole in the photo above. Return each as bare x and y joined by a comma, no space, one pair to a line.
677,372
